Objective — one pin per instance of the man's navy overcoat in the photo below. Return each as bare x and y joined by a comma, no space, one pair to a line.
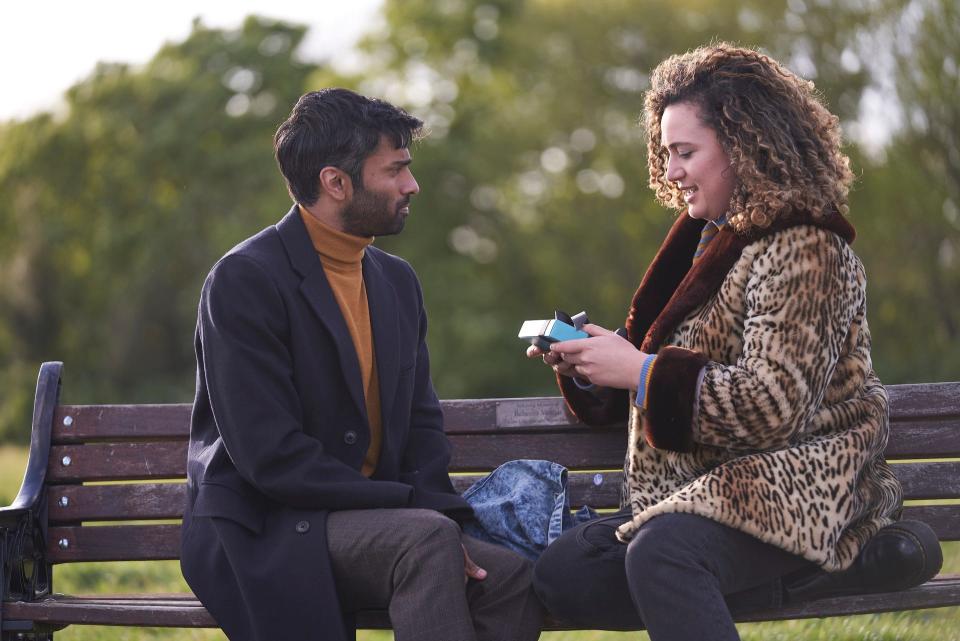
279,431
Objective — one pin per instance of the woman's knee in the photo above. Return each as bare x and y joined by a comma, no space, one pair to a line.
554,572
664,550
580,577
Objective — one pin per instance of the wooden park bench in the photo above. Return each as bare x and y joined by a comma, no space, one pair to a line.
65,513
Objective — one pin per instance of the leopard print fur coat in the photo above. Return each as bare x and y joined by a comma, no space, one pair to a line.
763,410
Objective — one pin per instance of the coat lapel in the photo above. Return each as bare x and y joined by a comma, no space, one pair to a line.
384,323
701,281
319,297
666,271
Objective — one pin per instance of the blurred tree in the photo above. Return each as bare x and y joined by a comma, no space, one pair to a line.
909,197
113,212
534,180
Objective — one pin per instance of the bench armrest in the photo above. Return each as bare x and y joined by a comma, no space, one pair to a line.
44,405
23,524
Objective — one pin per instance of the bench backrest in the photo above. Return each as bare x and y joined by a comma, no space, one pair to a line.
112,465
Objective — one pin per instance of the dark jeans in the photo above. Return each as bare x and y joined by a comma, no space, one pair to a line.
672,578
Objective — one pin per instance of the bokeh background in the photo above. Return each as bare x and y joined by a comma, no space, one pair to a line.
114,205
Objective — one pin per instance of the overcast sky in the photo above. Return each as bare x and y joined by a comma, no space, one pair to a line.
47,46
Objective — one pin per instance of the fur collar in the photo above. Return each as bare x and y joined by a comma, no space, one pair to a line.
673,286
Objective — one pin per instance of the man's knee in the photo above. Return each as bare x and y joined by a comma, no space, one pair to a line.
432,541
408,528
433,525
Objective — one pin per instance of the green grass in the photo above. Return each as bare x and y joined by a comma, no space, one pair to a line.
13,461
164,576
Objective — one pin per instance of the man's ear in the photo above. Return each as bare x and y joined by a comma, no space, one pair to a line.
335,183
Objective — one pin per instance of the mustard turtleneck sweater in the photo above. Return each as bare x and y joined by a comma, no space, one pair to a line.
341,255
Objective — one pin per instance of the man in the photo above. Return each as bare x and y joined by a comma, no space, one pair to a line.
317,468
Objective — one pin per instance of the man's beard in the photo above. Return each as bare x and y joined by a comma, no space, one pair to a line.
370,213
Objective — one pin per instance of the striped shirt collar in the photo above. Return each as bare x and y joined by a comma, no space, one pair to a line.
710,230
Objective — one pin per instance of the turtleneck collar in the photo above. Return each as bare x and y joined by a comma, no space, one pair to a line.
338,250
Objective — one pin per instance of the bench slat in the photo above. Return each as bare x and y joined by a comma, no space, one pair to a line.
929,480
943,519
120,422
924,439
597,449
117,461
113,543
937,437
604,448
162,542
138,501
126,502
127,461
185,611
920,402
924,399
161,610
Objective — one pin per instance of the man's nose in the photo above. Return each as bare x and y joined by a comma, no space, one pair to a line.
411,188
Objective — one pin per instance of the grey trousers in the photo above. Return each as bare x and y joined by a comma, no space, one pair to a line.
410,562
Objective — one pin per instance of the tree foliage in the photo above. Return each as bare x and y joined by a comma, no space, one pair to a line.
533,180
113,213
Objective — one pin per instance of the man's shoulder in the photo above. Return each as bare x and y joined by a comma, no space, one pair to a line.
262,246
261,258
264,249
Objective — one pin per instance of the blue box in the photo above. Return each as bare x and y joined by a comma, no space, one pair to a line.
543,332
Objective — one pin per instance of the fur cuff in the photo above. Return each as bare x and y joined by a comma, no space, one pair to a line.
599,406
668,424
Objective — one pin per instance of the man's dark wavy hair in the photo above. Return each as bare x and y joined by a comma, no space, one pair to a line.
339,128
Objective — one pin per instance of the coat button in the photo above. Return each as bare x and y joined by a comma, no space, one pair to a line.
303,527
349,437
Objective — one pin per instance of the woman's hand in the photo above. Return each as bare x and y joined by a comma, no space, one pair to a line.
553,360
604,359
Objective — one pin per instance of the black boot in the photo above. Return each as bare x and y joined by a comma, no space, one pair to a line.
900,556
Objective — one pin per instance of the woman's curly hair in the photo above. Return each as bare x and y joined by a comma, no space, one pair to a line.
783,144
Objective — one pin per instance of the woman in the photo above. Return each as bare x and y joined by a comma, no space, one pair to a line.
756,423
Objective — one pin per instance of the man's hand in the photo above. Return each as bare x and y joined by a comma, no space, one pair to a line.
604,359
471,570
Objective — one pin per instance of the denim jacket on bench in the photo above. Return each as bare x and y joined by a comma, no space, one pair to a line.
523,505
